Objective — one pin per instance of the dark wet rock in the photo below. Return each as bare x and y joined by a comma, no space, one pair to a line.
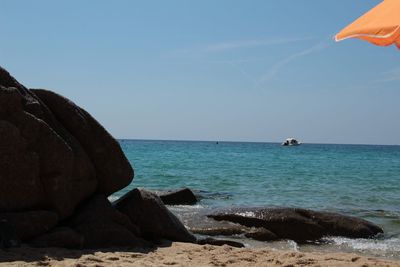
299,224
62,237
219,242
225,228
29,224
146,210
219,230
261,234
8,236
102,226
182,196
199,223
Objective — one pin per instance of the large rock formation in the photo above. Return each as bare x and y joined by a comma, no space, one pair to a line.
53,156
112,170
297,224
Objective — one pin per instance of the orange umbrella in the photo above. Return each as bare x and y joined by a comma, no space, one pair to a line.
380,25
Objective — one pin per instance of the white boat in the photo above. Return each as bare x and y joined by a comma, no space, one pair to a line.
291,142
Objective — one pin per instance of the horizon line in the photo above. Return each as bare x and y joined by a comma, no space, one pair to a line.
260,142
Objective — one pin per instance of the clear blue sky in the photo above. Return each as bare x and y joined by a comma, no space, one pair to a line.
258,70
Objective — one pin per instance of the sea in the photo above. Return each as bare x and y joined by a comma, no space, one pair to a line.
356,180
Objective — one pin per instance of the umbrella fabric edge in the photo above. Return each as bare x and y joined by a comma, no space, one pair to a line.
388,39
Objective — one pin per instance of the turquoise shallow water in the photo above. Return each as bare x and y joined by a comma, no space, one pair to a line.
359,180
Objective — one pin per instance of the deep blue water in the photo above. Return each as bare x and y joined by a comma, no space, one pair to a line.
360,180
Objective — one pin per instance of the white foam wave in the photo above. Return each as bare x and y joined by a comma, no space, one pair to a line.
247,214
113,198
378,247
293,245
185,208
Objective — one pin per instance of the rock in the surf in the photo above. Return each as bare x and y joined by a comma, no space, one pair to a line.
155,221
261,234
183,196
299,224
215,230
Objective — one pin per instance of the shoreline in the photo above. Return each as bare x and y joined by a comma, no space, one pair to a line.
183,254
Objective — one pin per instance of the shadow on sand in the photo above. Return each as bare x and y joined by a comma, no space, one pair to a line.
29,254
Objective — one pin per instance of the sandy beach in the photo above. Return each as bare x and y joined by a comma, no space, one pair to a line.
182,254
